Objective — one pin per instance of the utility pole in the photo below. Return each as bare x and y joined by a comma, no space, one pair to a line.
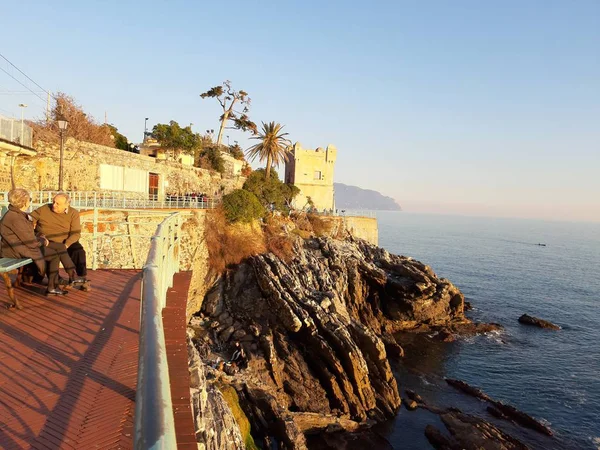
48,108
22,106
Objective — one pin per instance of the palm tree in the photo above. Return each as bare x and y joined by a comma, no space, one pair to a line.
273,146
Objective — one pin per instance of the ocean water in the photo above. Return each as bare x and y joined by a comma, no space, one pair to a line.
551,375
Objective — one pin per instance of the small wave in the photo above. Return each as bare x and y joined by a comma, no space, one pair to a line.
424,380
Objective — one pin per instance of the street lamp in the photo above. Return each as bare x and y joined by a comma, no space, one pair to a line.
227,141
62,126
22,106
145,129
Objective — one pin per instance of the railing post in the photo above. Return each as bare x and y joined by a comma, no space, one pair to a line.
95,240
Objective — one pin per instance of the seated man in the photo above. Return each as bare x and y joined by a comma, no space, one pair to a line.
61,226
19,241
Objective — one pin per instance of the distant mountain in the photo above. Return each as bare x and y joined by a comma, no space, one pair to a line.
353,197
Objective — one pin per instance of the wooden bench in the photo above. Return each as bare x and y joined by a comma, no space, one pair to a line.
14,266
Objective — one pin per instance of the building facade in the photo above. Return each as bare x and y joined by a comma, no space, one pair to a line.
311,171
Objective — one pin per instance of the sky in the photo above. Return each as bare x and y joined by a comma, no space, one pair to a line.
461,107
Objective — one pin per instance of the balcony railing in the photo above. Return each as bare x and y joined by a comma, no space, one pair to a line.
15,131
121,200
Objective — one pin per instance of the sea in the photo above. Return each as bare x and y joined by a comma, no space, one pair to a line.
499,266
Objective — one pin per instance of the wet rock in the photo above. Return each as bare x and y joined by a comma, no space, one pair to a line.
349,441
445,336
468,389
414,396
470,433
501,409
530,320
411,405
522,418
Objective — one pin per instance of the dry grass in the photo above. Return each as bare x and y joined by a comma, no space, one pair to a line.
320,226
278,240
230,243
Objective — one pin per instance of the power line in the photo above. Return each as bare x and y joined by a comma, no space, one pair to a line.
24,74
22,84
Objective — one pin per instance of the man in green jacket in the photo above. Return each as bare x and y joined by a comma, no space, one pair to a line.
60,224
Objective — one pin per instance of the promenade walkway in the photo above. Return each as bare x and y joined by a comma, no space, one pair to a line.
68,365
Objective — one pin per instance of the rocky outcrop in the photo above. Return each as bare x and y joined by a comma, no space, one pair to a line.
318,332
500,409
216,427
530,320
470,433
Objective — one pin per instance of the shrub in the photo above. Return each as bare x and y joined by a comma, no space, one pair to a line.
242,206
229,244
272,191
209,157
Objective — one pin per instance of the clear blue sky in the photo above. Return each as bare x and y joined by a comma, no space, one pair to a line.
470,107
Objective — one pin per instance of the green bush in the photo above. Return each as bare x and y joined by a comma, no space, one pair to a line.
209,157
242,206
272,191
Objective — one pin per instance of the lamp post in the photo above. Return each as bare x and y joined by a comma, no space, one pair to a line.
62,126
145,129
22,106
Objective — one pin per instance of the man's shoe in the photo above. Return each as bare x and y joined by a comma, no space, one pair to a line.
56,292
78,280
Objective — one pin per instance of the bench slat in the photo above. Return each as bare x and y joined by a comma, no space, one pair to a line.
8,264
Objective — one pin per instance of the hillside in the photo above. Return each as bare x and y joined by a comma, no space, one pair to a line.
353,197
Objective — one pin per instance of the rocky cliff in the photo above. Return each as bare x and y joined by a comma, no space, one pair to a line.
317,334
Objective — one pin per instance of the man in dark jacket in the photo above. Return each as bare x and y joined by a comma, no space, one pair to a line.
19,240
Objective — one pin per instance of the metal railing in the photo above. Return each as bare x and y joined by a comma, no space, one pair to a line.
343,213
154,420
121,200
15,131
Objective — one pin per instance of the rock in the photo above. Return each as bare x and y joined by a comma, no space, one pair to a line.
530,320
411,405
215,426
468,306
445,336
324,337
500,409
414,396
522,418
349,441
239,334
470,433
437,439
468,389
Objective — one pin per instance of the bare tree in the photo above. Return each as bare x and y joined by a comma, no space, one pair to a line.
227,98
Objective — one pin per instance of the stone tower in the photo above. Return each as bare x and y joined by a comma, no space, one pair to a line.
312,172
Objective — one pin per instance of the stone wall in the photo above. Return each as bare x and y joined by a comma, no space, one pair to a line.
363,227
82,162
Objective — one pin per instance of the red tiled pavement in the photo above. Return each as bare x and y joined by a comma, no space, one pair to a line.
175,335
68,365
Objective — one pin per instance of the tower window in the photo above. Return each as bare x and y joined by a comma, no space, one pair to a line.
318,175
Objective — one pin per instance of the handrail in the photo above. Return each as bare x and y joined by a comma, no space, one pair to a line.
154,420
